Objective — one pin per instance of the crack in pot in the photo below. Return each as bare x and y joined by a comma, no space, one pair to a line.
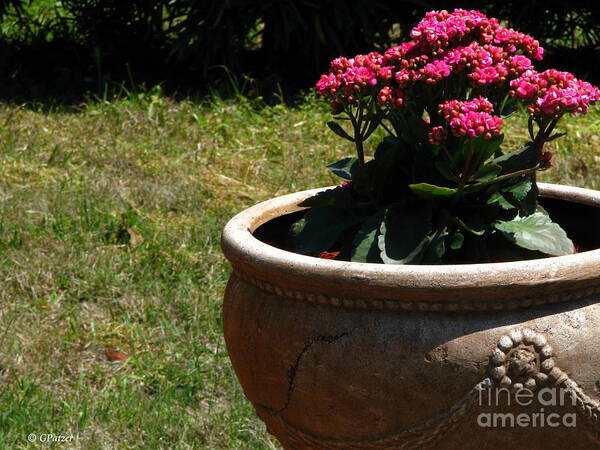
292,371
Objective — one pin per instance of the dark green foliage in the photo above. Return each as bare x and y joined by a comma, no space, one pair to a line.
5,5
414,224
321,227
337,129
366,240
394,212
345,168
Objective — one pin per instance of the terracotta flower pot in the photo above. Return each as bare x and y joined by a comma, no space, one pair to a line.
337,354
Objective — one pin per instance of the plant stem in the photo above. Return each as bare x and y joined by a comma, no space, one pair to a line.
472,187
548,131
356,120
544,132
360,152
358,138
464,176
387,129
503,103
366,125
530,128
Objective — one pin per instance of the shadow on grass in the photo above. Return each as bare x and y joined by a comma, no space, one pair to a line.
62,74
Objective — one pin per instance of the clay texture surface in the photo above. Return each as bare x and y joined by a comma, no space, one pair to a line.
345,355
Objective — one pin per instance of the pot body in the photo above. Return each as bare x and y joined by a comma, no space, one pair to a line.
346,355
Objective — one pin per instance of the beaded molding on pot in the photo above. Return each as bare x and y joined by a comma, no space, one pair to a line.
521,359
401,305
524,359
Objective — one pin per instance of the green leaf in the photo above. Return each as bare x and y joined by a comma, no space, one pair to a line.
478,229
391,146
488,147
457,241
404,234
410,127
525,158
537,232
511,196
508,110
366,241
501,199
483,149
484,184
486,172
318,230
337,129
436,247
379,177
539,208
344,168
520,189
429,190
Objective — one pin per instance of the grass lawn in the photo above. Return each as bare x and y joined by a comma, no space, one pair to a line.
109,239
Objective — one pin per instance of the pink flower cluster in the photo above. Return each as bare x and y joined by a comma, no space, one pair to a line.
554,93
469,118
437,135
440,29
349,79
445,44
470,51
391,96
499,73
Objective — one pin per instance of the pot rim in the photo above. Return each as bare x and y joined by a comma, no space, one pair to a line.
482,286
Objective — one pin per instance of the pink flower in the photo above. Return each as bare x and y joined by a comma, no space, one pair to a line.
513,41
517,64
390,96
574,100
349,79
526,86
471,118
454,108
339,65
359,76
398,56
435,71
458,44
328,84
488,74
439,29
474,55
385,73
404,77
437,135
545,160
554,93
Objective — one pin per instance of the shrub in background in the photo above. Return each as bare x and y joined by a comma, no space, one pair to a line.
190,43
